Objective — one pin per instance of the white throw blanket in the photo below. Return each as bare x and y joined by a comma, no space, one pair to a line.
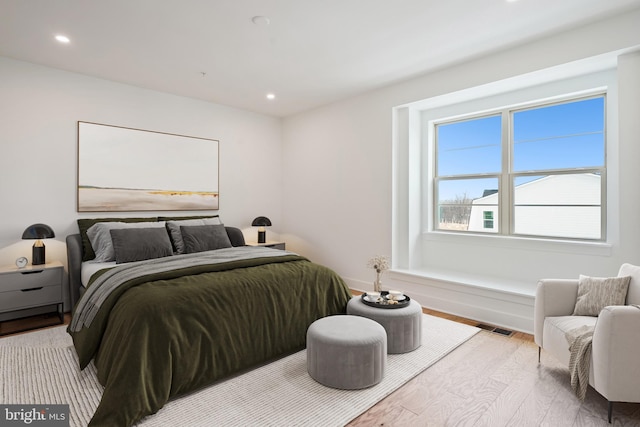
580,340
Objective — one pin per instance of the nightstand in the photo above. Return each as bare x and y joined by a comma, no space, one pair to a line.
31,287
274,245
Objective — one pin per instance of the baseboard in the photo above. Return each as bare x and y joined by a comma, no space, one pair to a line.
495,306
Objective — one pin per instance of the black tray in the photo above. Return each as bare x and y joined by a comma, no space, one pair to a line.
384,303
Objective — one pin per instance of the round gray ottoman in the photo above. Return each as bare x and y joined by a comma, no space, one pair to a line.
403,325
347,352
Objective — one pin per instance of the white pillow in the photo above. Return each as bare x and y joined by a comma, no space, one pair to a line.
596,293
176,234
100,237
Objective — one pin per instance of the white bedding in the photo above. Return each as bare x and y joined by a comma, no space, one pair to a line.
90,267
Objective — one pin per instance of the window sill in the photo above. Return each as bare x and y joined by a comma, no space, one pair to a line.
526,243
473,283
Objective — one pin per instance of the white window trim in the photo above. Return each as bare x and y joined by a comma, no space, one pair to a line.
409,201
506,207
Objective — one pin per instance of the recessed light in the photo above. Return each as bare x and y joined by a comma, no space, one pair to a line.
271,96
62,39
260,20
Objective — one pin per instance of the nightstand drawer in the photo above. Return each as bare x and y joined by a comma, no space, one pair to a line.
29,279
38,296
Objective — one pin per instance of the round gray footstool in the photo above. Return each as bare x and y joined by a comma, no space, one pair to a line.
347,352
403,325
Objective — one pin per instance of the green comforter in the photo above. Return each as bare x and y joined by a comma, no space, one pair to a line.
164,336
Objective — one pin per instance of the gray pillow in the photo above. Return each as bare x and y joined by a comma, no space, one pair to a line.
139,244
200,238
100,237
85,223
176,234
596,293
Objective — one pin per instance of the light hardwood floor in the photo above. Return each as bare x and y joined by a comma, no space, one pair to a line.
491,380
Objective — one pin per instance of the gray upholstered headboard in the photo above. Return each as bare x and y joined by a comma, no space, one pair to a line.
74,259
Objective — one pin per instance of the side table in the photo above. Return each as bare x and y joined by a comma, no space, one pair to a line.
31,287
403,325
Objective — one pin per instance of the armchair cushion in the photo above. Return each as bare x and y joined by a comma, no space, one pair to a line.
555,334
596,293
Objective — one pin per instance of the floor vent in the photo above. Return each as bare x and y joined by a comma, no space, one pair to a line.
490,328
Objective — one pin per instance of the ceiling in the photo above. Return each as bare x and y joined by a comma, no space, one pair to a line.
310,53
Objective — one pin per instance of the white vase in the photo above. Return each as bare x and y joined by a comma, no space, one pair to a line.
377,285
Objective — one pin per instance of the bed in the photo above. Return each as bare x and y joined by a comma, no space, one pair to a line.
164,326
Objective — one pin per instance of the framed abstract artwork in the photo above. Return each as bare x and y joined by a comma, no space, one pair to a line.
122,169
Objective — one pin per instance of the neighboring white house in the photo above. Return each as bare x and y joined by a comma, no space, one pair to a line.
554,205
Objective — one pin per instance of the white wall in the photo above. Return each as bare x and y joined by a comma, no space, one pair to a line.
339,171
324,177
39,110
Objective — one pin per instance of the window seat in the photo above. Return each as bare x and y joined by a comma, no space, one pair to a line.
491,300
524,289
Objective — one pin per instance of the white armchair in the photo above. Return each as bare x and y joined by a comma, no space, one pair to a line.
615,356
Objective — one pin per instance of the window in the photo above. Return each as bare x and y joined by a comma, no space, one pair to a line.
488,219
537,170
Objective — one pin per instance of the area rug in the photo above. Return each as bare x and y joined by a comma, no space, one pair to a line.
42,368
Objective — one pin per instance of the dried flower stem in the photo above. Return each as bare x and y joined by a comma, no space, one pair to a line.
380,264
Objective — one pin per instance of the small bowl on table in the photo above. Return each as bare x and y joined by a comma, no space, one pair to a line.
395,295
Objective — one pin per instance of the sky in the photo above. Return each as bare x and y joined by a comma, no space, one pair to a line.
554,137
